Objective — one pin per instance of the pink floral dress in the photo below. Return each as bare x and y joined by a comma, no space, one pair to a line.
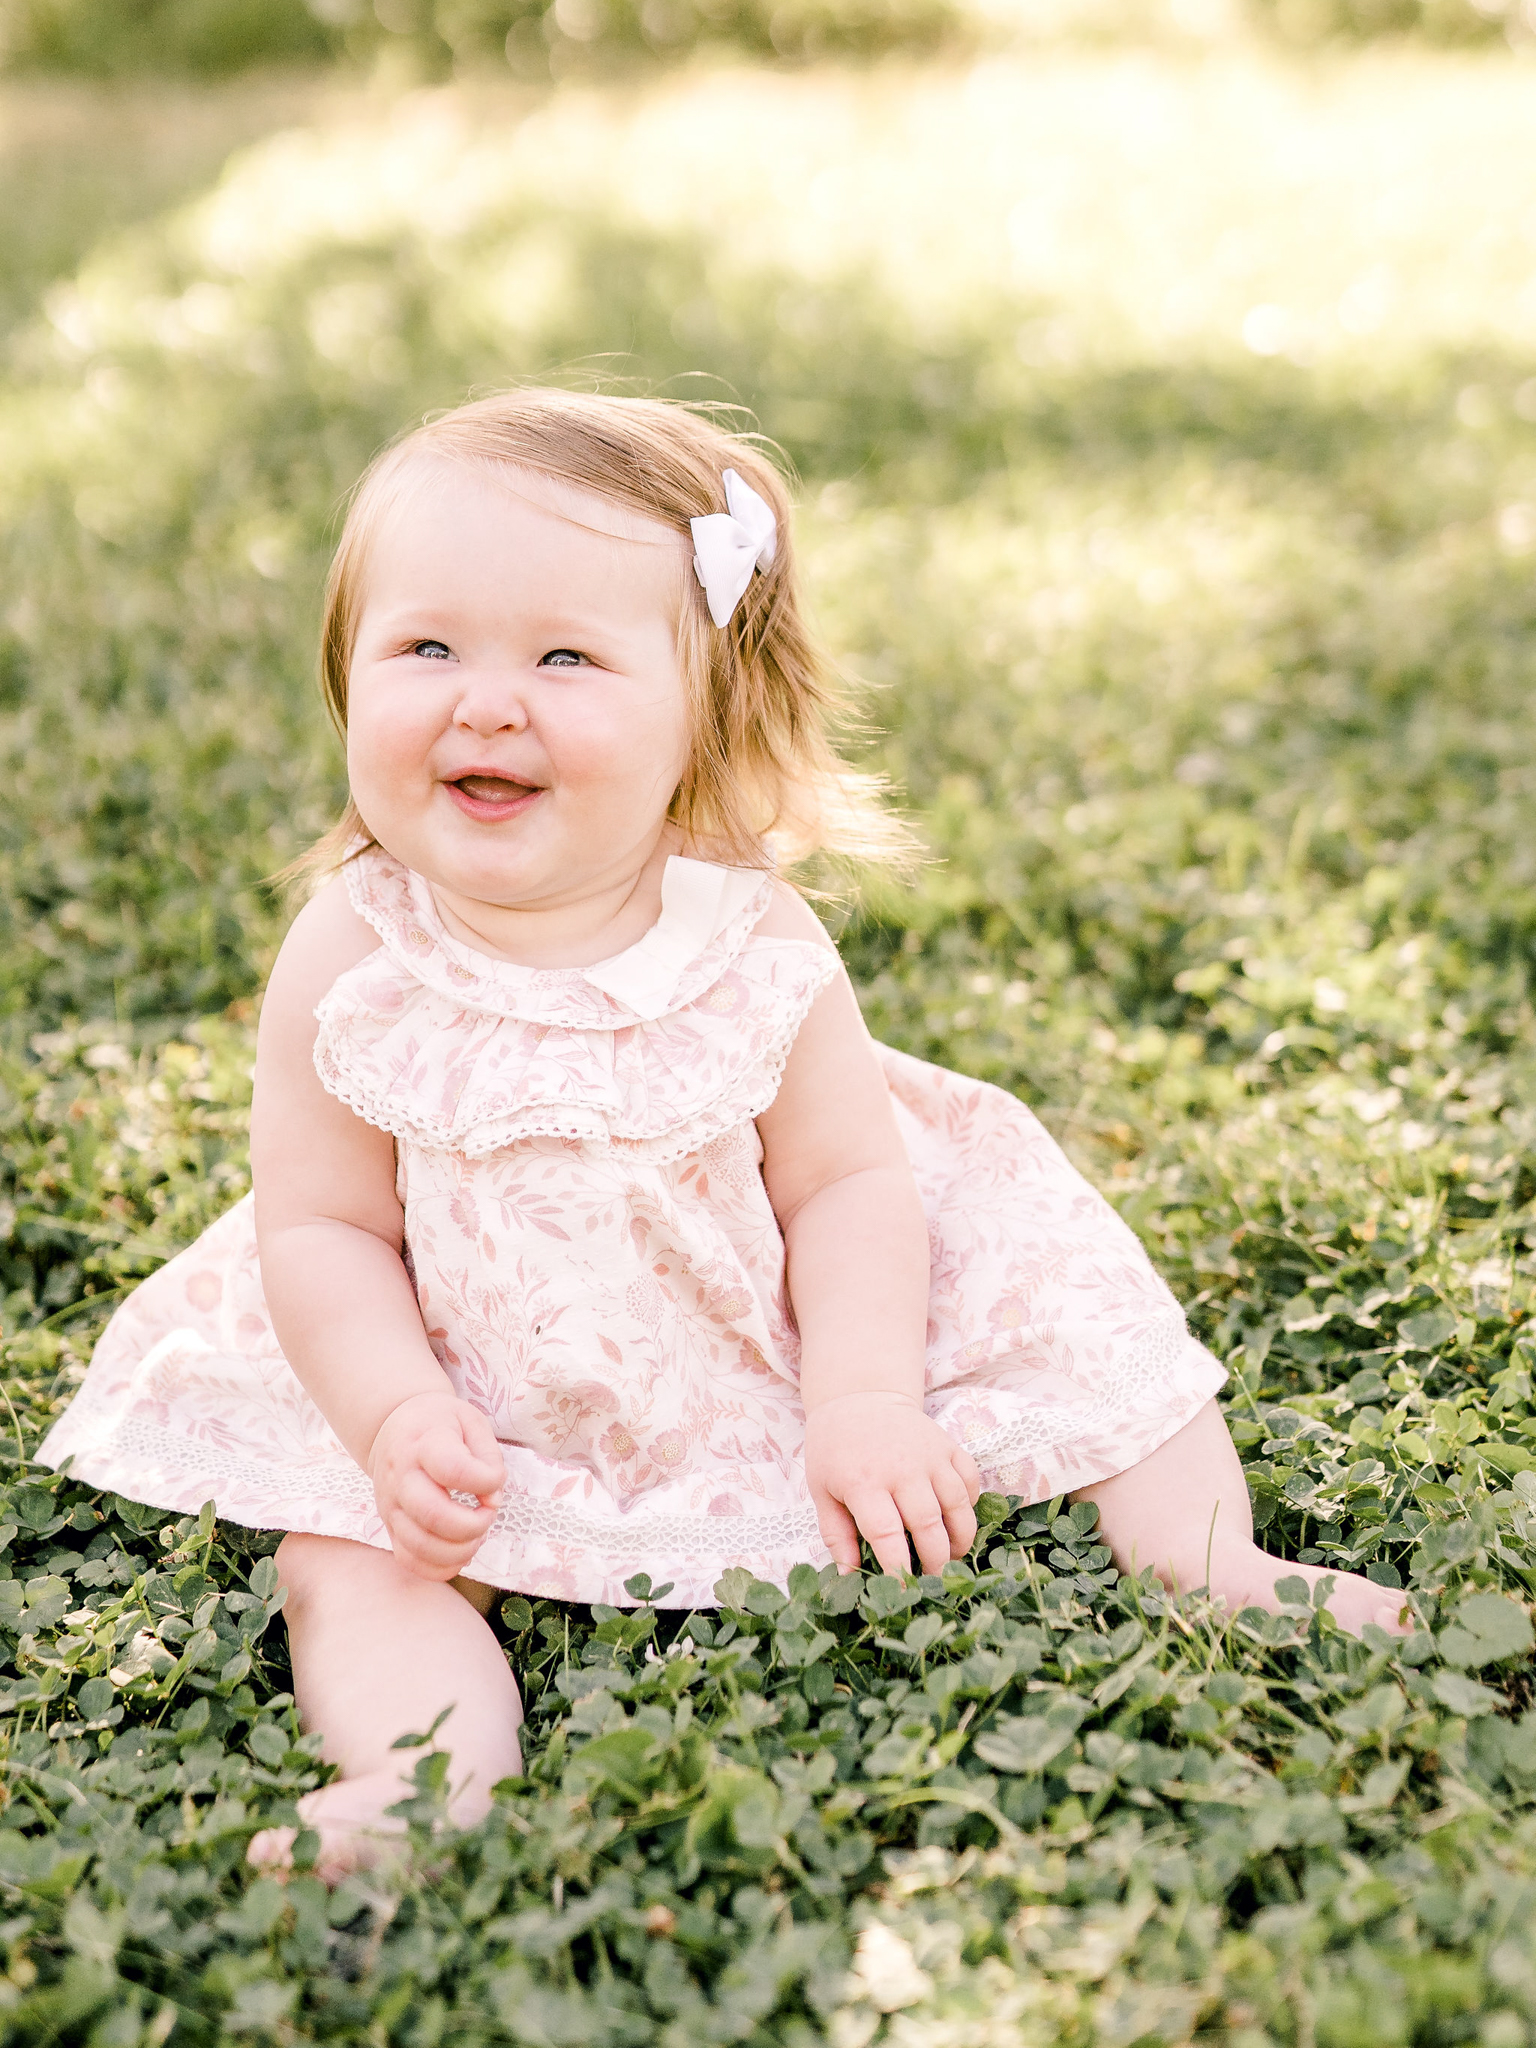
599,1269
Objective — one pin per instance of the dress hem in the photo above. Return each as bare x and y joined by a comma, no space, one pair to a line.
176,1474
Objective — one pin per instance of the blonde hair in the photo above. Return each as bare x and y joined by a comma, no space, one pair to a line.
762,780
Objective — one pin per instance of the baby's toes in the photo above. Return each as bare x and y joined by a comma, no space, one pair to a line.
1394,1617
271,1851
355,1831
347,1853
1355,1601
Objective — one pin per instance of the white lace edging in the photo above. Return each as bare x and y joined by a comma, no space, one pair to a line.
326,1475
654,1539
1149,1369
136,1447
537,1544
737,1103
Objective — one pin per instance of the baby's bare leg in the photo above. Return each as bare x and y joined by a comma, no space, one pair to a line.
1185,1511
378,1652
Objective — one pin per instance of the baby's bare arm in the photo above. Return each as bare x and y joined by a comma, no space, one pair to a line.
857,1247
330,1230
328,1223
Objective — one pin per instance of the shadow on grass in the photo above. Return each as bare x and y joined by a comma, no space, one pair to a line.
164,740
80,162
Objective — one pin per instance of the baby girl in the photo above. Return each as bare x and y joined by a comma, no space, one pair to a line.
592,1234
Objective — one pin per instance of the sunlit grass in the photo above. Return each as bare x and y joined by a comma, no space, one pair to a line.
1363,201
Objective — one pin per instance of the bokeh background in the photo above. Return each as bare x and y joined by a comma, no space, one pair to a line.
1160,381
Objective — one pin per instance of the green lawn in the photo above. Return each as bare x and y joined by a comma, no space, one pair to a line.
1165,420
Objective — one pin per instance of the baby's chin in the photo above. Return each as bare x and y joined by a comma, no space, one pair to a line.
505,864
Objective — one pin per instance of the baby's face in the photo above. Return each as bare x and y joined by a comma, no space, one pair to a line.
517,722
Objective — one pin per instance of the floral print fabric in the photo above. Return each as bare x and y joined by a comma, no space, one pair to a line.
599,1271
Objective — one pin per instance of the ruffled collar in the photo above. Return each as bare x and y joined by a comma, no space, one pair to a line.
707,915
657,1051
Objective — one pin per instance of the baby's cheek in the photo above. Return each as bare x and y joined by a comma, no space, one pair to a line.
631,753
387,770
387,741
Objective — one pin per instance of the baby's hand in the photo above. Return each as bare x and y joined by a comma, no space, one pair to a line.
427,1449
879,1467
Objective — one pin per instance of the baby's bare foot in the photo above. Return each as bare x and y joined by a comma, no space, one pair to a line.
1246,1577
356,1831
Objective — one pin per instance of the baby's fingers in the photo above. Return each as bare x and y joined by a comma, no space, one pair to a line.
426,1556
468,1464
880,1524
435,1512
958,1504
923,1512
839,1532
430,1554
481,1439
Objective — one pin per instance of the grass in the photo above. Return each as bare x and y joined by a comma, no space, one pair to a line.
1166,425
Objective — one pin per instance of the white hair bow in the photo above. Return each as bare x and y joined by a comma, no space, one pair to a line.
728,546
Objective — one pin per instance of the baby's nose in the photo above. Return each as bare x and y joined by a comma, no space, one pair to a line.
490,702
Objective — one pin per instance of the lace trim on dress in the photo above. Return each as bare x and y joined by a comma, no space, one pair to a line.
643,1539
1145,1373
398,904
633,1538
336,1495
146,1446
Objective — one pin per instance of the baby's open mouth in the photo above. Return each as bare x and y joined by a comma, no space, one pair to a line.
494,789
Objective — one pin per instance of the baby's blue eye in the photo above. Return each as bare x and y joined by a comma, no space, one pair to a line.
432,650
562,657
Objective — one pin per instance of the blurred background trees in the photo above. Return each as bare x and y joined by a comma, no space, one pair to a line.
218,38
